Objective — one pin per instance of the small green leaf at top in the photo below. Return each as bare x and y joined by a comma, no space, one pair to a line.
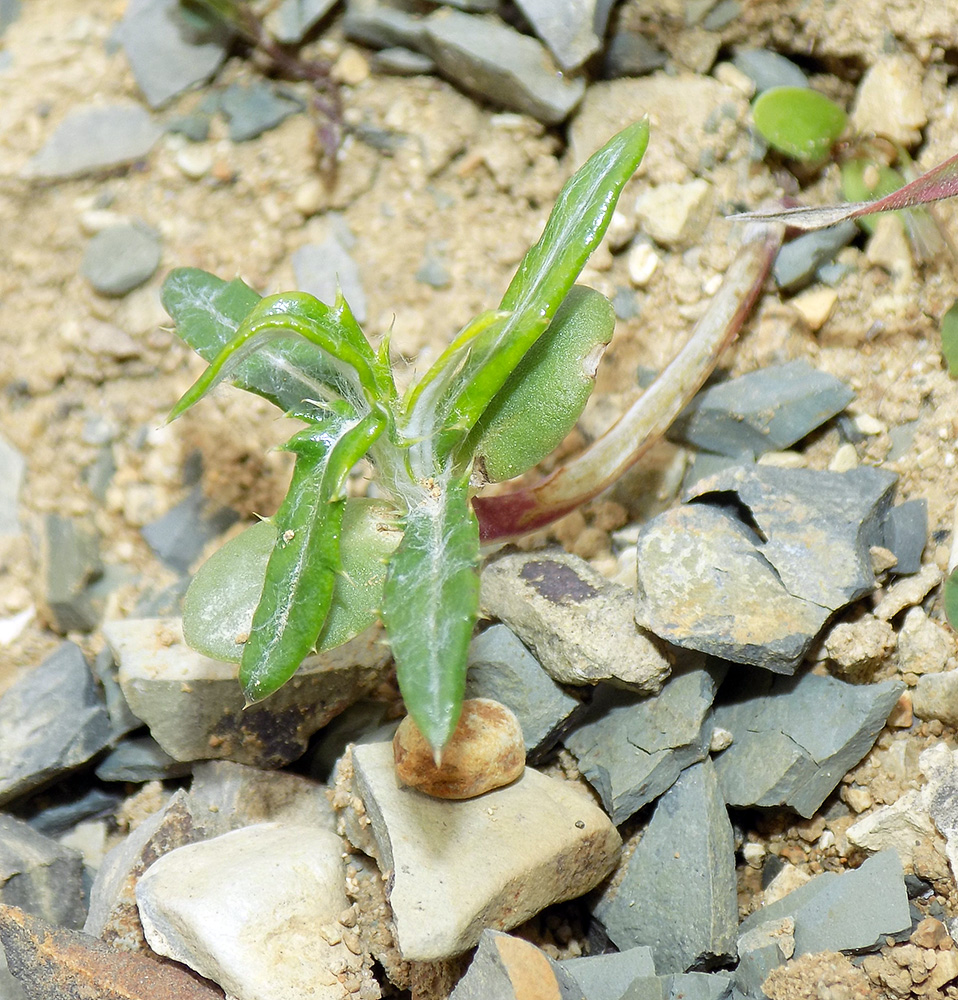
798,121
949,340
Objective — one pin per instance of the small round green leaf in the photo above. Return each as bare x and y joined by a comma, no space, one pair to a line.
799,122
949,341
865,180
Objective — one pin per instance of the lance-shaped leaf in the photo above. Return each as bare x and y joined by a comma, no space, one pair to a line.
430,605
544,396
222,597
463,383
305,560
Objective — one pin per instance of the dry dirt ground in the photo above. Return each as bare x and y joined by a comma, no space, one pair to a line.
470,185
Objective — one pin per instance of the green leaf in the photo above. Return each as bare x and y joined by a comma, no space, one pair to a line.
864,180
463,382
798,121
949,339
219,604
547,391
305,560
430,605
951,599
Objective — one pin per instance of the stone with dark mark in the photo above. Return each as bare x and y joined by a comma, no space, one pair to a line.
703,583
682,986
254,109
122,719
767,69
194,706
630,53
181,534
677,892
576,623
365,721
138,760
500,64
798,260
905,532
847,912
51,721
40,875
765,410
500,667
504,966
121,258
71,808
793,738
572,29
167,51
606,977
323,268
70,565
94,139
633,748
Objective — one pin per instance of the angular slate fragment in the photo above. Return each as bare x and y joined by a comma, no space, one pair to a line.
181,534
703,583
383,24
819,525
121,258
51,721
632,748
606,977
70,564
255,109
292,20
677,893
40,875
167,51
905,532
767,69
94,139
844,912
683,986
67,811
501,668
504,967
765,410
795,737
572,29
140,759
798,260
323,268
500,64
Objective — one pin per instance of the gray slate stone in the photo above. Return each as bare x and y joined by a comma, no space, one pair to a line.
767,69
292,20
799,259
577,624
166,51
40,875
57,819
846,912
121,258
703,583
12,469
500,64
385,23
905,532
9,12
795,737
678,891
363,722
765,410
572,29
254,109
399,61
606,977
90,140
755,966
181,534
629,53
321,268
633,748
140,759
503,965
683,986
51,721
122,720
501,668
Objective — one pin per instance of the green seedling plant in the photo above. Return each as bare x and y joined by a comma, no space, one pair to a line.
497,401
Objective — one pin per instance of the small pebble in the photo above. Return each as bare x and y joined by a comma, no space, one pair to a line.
351,68
815,305
931,933
121,258
486,751
642,262
194,162
845,458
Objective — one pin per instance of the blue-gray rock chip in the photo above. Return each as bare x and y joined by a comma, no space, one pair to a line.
12,469
40,875
500,64
798,260
501,668
606,977
677,893
140,759
321,268
95,139
70,566
631,749
629,53
767,69
121,258
905,533
703,583
683,986
292,20
572,29
382,25
255,109
793,738
765,410
846,912
181,534
167,51
51,721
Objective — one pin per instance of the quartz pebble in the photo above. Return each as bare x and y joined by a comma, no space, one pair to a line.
486,751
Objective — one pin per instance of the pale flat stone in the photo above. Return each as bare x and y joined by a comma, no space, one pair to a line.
249,911
815,305
676,215
456,868
889,101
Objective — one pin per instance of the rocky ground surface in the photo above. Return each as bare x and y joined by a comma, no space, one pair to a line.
777,818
